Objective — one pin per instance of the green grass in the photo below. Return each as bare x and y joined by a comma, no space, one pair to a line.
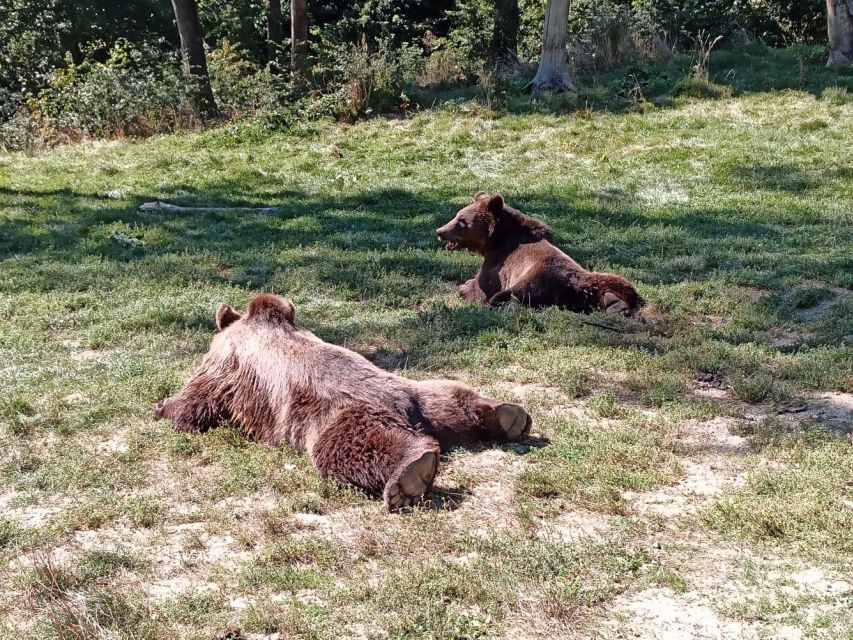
794,499
733,216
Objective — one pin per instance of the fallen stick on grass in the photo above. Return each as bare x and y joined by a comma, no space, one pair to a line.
173,208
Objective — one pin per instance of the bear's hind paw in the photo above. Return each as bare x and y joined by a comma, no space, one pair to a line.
614,304
514,420
411,483
160,409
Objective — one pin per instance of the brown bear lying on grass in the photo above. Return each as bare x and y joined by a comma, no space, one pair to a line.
360,424
520,263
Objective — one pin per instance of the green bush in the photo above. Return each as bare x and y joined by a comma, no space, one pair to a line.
371,79
775,22
136,92
243,88
603,32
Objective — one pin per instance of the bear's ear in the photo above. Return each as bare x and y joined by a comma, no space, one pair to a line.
272,309
480,194
225,316
496,204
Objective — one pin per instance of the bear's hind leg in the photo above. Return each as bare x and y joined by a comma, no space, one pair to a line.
369,447
458,415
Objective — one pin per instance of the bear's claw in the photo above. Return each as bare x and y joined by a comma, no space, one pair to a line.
514,420
410,485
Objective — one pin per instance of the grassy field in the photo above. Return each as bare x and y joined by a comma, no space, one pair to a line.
688,473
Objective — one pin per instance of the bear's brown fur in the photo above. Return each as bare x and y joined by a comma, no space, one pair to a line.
359,423
521,263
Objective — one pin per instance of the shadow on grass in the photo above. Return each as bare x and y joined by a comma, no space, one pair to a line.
380,246
383,220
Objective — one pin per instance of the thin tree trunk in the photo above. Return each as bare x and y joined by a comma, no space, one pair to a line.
839,22
553,74
298,37
192,47
69,43
275,30
504,44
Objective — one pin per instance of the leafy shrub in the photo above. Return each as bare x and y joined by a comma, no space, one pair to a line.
372,78
758,387
473,22
135,93
242,87
445,63
25,131
602,32
776,22
837,95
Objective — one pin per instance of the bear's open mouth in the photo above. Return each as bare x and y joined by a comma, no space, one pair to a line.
452,246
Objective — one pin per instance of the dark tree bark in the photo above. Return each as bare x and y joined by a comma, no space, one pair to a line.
553,74
275,30
299,37
69,44
504,45
192,48
839,23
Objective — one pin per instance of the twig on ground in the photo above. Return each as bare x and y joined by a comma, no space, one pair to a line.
600,326
157,205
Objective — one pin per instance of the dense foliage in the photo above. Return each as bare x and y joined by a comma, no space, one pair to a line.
97,68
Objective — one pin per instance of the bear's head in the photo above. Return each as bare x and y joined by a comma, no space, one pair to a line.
266,308
487,222
232,381
473,225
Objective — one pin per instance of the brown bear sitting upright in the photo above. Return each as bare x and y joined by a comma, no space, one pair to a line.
520,263
360,424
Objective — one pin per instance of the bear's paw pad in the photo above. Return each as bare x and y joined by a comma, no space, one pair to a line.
514,420
413,481
615,304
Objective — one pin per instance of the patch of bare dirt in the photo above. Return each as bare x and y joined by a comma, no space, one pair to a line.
824,306
32,515
790,341
834,409
660,614
524,390
710,467
725,588
754,293
86,355
577,525
489,479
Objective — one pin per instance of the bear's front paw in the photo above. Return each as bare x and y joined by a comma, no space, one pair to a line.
513,420
408,486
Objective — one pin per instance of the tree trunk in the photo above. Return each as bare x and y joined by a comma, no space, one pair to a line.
275,31
192,48
553,74
68,42
298,37
839,22
504,44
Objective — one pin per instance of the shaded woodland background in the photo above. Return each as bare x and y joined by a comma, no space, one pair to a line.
100,69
